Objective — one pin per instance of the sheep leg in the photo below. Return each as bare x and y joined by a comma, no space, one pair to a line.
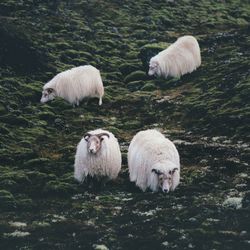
100,101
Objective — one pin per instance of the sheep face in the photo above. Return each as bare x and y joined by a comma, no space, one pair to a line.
165,179
94,142
48,95
154,68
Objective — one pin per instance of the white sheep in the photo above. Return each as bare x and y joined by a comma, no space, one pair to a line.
179,58
98,154
153,161
75,84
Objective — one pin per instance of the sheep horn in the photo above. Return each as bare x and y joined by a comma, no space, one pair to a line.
50,90
156,171
172,172
102,134
87,135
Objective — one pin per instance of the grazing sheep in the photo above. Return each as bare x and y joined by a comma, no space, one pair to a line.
153,161
75,84
98,154
179,58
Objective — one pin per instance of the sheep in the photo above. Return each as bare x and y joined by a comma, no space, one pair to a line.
153,162
179,58
75,84
98,155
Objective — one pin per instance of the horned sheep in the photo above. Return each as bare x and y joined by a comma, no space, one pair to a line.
75,84
98,155
179,58
153,162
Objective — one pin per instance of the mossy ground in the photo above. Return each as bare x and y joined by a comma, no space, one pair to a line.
206,113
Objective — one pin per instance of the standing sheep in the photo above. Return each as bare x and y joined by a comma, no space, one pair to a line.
179,58
153,161
75,84
98,154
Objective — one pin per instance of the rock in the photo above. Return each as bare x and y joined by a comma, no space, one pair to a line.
18,224
233,202
100,247
17,234
246,200
165,243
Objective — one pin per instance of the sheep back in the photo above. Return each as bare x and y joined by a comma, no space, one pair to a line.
179,58
77,83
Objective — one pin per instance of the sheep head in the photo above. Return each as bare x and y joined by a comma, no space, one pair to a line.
48,95
94,142
153,67
165,178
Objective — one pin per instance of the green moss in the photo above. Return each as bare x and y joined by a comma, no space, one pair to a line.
7,200
58,188
135,85
149,87
38,142
37,163
135,76
15,120
2,109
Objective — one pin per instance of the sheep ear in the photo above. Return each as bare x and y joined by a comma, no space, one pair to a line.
156,171
173,171
50,90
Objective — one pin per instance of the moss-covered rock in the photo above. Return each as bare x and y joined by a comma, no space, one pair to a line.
58,188
135,76
149,87
7,200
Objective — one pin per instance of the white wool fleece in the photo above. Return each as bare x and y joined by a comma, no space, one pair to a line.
149,150
107,161
179,58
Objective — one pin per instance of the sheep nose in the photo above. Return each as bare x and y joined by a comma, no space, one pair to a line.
165,190
91,150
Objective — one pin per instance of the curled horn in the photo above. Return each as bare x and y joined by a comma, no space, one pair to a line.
50,90
156,171
173,171
86,136
102,134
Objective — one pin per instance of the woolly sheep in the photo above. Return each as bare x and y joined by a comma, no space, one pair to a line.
153,161
179,58
98,154
75,84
